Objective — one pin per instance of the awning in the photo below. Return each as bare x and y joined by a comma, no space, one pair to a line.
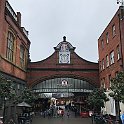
23,104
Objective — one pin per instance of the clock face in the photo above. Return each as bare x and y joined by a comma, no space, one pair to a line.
64,57
64,82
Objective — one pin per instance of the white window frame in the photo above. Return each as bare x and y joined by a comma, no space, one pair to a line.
107,61
107,37
10,46
113,30
109,77
22,56
118,53
112,58
103,83
103,64
102,44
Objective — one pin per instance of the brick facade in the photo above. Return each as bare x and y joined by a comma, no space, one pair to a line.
114,49
11,22
51,68
114,42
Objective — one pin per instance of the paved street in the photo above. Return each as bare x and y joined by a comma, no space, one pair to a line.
59,120
39,120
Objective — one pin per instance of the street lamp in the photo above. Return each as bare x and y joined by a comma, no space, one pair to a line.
122,2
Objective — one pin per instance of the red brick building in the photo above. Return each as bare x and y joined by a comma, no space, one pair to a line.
111,51
14,45
14,53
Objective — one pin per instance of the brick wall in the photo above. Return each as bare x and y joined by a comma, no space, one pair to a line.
8,23
112,44
50,68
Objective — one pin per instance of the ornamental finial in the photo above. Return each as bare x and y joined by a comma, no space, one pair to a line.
64,38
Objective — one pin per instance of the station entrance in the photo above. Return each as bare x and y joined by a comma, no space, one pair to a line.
64,77
68,91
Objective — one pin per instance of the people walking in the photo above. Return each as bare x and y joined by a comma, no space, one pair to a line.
62,113
68,113
122,118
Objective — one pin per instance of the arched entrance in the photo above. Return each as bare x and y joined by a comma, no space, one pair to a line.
64,75
66,91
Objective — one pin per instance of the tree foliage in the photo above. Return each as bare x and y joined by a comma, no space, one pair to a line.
117,87
6,89
27,96
8,92
97,99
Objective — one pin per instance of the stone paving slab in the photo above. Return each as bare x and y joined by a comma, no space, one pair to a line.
64,120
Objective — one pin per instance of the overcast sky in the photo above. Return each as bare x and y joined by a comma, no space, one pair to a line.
81,21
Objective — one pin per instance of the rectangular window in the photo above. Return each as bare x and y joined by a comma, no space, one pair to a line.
107,61
112,57
109,80
113,31
103,66
100,66
102,44
116,73
107,37
22,56
10,46
103,83
118,53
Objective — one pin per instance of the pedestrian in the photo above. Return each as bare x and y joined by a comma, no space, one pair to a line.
122,118
68,114
62,113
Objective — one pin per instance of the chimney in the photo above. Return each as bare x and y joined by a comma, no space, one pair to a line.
19,18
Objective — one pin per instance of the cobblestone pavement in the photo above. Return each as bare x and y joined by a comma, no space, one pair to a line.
59,120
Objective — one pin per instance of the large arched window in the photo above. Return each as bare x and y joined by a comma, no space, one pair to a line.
10,46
